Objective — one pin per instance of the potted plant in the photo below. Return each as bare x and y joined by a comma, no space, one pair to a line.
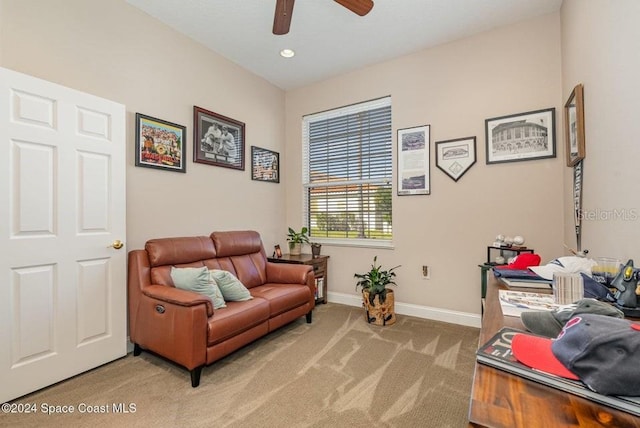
296,239
378,300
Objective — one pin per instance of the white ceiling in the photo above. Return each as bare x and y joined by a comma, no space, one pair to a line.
328,39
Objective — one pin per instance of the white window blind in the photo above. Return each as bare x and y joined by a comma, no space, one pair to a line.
347,173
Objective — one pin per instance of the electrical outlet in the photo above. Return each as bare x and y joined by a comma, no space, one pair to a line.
426,272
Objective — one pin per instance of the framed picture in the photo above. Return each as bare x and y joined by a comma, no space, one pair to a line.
277,252
265,165
521,137
574,126
160,144
413,161
455,157
217,140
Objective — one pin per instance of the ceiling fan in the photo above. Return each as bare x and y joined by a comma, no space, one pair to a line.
284,10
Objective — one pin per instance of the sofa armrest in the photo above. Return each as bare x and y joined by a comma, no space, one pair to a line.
166,320
177,296
172,326
288,273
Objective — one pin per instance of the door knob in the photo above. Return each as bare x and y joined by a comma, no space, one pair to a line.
117,244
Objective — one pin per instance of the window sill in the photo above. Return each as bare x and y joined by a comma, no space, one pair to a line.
355,243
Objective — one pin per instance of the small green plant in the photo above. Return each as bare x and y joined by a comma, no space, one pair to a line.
298,237
376,281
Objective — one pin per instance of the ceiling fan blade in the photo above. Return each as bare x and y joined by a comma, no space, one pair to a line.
360,7
282,18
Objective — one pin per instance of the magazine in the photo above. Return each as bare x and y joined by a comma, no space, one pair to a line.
497,353
513,303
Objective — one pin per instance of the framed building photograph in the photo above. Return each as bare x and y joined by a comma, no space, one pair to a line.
265,165
455,157
413,161
521,137
574,126
160,144
217,140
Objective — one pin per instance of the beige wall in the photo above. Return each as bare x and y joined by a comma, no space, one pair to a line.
113,50
454,88
601,49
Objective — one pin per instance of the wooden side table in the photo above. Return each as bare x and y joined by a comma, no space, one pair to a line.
319,264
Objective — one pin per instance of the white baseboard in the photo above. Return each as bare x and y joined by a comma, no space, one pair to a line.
436,314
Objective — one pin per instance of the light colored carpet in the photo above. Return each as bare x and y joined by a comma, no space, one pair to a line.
338,371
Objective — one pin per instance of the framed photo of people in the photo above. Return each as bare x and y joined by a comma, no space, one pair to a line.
160,144
265,165
217,140
521,136
455,157
413,161
574,126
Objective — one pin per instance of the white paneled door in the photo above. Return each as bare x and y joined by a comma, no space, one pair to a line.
62,207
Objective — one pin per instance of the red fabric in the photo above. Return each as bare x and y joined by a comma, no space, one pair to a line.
522,261
535,352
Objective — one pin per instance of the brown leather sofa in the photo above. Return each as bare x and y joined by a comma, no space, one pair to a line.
182,326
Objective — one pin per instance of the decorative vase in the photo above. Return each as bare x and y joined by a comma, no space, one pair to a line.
379,313
295,248
315,249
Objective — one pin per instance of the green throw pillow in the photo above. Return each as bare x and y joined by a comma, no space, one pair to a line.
232,289
198,280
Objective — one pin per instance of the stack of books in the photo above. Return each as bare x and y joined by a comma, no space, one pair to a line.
521,278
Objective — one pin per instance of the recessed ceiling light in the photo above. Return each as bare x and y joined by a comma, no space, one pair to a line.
287,53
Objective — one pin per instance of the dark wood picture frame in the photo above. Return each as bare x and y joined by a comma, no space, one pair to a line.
218,140
574,126
521,137
160,144
265,165
455,157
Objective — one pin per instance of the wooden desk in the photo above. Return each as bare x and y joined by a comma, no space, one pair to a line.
503,400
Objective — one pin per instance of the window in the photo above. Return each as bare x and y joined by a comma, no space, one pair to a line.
347,176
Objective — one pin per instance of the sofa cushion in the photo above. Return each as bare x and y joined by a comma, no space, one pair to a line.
199,281
174,251
282,297
236,318
244,251
231,288
251,269
236,243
